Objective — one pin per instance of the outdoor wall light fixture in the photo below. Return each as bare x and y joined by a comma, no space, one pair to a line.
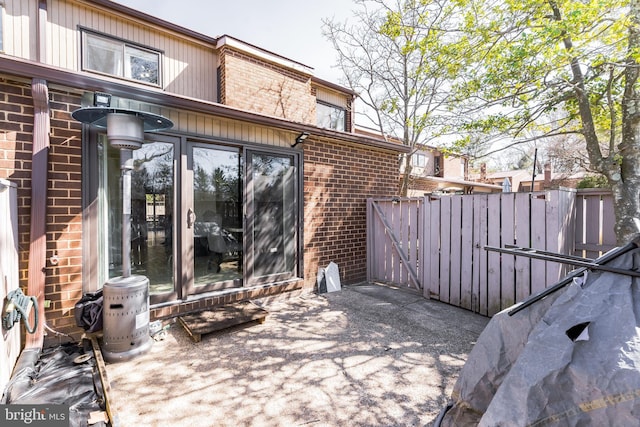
301,138
101,99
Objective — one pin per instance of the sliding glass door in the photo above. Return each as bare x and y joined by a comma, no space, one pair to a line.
213,233
204,217
153,193
272,217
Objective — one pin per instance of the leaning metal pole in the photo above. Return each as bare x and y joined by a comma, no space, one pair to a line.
595,264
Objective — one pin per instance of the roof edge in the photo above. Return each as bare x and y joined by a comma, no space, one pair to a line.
248,48
134,13
80,81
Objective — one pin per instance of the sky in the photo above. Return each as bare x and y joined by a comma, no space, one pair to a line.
291,28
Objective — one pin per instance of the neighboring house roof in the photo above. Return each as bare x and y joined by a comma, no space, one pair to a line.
447,183
510,174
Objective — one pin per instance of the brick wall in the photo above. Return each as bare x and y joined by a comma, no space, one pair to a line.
421,186
260,87
337,181
63,286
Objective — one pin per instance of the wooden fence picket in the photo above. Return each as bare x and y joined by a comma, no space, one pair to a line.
438,243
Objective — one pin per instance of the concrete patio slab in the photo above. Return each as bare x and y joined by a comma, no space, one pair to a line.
369,355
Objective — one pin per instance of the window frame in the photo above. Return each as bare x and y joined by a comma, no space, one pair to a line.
419,160
335,108
126,52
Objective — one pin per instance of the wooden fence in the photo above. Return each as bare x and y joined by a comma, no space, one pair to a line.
438,244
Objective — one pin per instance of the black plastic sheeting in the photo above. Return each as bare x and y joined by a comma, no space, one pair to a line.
65,375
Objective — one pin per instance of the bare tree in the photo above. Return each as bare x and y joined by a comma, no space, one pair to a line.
386,58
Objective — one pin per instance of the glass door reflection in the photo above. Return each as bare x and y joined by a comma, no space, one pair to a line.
217,218
152,207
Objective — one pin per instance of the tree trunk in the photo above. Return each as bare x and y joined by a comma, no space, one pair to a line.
406,177
626,188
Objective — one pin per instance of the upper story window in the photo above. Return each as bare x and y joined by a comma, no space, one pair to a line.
437,166
419,160
331,116
120,59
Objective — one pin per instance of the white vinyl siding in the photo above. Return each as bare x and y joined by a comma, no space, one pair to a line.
188,65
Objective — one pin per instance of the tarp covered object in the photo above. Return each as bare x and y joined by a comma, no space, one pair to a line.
66,375
570,359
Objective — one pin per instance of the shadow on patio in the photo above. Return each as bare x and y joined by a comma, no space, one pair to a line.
369,355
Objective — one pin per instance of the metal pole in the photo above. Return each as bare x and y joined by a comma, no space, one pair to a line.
126,166
613,253
578,263
533,175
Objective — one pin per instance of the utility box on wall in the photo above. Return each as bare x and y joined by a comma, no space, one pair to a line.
10,342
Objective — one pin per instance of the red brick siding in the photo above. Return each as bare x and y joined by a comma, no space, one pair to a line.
337,181
422,185
63,285
264,88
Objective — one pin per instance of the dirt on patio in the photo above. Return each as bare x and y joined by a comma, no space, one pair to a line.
368,355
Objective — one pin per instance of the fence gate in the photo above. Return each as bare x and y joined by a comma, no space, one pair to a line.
437,245
394,230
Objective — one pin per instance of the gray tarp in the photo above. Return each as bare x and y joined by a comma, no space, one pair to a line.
571,359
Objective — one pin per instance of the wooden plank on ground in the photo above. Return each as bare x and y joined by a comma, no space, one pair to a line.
106,386
219,318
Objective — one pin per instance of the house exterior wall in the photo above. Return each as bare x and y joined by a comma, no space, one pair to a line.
419,187
63,285
429,167
20,29
453,167
337,181
331,96
261,87
206,125
188,66
340,171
